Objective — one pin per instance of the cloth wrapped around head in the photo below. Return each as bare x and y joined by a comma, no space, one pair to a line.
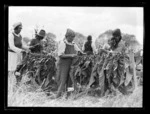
117,32
70,33
17,24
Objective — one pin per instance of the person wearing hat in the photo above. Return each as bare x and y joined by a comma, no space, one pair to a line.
116,43
34,47
89,46
36,42
67,50
15,47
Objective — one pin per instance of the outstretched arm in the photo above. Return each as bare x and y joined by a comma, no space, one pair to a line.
94,48
78,49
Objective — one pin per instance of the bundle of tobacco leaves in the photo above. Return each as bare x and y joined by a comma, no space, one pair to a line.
39,70
105,72
81,69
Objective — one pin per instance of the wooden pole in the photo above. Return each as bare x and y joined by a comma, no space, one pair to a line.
133,67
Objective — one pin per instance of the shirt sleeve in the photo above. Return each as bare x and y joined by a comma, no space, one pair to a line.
12,45
32,42
106,46
76,47
61,48
83,47
94,47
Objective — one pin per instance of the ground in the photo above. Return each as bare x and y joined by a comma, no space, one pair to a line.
22,97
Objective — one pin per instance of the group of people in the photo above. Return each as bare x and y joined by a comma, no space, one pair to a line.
67,50
16,49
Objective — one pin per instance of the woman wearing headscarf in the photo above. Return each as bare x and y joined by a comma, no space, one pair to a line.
35,47
89,46
67,50
15,47
116,43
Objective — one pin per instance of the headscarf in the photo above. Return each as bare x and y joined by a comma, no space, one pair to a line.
114,41
117,32
17,24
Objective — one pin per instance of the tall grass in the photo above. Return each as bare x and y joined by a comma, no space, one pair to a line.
24,96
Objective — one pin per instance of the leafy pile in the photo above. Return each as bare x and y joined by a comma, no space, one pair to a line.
39,70
104,72
81,69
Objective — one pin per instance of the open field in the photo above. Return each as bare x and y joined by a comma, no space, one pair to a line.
23,97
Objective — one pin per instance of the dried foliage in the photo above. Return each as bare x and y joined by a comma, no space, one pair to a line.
39,70
104,72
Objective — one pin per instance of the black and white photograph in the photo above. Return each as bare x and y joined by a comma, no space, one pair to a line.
75,56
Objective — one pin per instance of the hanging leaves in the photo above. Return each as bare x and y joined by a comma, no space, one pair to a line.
101,72
42,67
106,71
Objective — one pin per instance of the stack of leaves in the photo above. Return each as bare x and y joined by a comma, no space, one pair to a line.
81,69
39,70
105,72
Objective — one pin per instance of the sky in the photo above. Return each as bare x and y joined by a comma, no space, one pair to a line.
86,20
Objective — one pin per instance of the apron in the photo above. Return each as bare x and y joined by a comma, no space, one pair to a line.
64,65
13,57
13,60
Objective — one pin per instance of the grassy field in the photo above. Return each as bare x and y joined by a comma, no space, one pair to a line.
25,97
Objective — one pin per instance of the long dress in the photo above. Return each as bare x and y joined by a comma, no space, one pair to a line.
14,51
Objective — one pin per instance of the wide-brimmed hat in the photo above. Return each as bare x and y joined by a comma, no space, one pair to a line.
42,33
17,24
70,33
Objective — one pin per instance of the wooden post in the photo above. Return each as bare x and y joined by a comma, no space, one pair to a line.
133,66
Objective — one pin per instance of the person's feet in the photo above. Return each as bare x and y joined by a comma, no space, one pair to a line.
58,95
18,77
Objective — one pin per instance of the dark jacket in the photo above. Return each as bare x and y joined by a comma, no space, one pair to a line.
37,46
88,48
